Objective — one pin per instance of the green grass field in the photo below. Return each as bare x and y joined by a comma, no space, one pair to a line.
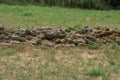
26,62
37,16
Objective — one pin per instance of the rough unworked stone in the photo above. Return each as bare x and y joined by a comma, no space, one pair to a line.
2,36
41,36
1,27
53,33
58,41
91,38
81,44
77,41
104,33
85,30
48,43
38,42
27,32
20,39
7,41
29,38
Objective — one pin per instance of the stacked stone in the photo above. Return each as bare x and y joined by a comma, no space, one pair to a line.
54,36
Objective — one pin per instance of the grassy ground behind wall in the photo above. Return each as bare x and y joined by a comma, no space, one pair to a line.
37,16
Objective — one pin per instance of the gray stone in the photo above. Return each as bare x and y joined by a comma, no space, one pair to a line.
20,39
38,42
91,38
48,43
27,32
81,44
41,36
76,41
2,27
28,38
2,36
85,30
7,41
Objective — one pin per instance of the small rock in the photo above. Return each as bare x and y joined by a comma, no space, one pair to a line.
70,45
107,29
53,33
20,39
33,33
48,43
7,41
2,36
41,36
91,38
38,42
27,32
29,38
58,41
104,34
81,44
77,41
15,38
86,30
87,41
2,27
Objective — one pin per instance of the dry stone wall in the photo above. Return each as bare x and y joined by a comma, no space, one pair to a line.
54,36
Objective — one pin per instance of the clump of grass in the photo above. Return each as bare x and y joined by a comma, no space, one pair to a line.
112,62
94,45
28,14
114,45
7,53
35,54
96,71
70,28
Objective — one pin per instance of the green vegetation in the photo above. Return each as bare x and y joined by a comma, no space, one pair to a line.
94,4
70,28
97,71
35,54
63,64
94,45
112,62
7,53
37,16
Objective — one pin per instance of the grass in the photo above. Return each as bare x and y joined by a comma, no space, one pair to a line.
112,62
48,63
37,16
35,54
59,64
7,53
96,71
94,45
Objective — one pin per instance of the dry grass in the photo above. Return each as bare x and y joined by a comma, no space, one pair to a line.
25,62
48,63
